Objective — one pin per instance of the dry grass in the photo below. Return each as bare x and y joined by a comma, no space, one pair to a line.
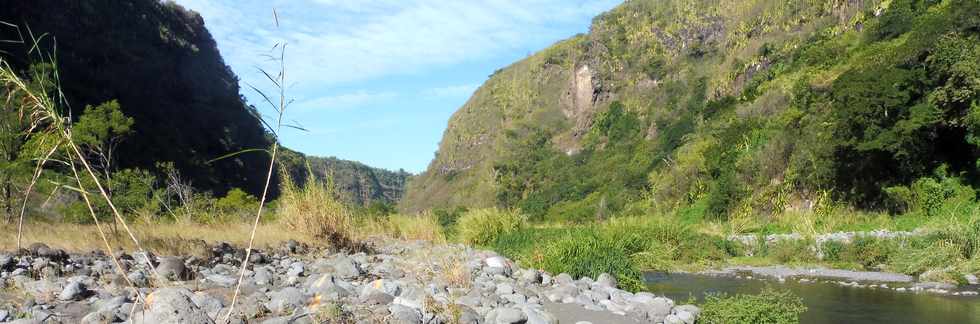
422,227
164,239
315,211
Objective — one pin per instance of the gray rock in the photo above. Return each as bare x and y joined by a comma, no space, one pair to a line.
327,287
75,290
673,319
263,276
375,297
504,289
970,278
509,315
172,268
99,317
138,278
211,305
345,267
531,276
382,285
536,315
404,315
564,278
606,280
497,265
286,300
6,262
171,306
4,315
467,316
222,280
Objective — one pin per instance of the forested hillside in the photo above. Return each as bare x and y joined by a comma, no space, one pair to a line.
153,106
722,108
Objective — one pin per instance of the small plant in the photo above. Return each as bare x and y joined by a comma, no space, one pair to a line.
316,211
768,307
482,226
870,252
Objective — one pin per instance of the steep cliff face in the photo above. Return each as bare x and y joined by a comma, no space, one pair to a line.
675,103
164,68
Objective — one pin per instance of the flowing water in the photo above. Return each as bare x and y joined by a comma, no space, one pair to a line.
829,302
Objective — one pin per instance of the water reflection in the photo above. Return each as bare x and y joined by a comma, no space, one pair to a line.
830,303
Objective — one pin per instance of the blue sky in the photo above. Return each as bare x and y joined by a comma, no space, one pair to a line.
376,80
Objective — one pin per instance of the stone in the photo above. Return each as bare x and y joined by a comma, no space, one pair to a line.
4,315
98,317
375,297
75,290
404,315
327,287
211,305
171,306
286,300
498,265
138,278
531,276
673,319
345,267
504,289
382,285
970,278
468,315
222,280
263,276
172,268
564,278
515,298
536,315
509,315
606,280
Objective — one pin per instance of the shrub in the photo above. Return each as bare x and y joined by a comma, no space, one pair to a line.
315,210
869,252
917,260
237,202
589,254
832,250
792,251
768,307
482,226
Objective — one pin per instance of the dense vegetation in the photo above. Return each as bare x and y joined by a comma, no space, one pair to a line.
724,110
156,111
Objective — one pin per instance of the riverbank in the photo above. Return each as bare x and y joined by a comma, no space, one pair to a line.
392,281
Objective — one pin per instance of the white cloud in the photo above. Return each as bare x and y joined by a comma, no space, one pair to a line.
462,90
334,42
342,101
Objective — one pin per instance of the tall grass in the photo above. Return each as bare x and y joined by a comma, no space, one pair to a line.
482,226
315,210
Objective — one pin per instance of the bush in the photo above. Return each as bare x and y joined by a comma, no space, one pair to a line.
768,307
316,210
917,260
589,254
482,226
832,251
870,252
237,203
792,251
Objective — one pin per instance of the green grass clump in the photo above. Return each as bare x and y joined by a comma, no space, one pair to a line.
590,254
482,226
768,307
792,251
870,253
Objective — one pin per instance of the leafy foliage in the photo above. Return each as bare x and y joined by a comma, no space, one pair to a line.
770,307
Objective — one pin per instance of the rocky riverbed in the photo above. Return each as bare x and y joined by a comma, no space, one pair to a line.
391,282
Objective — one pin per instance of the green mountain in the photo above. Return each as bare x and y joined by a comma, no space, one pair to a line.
360,183
717,107
161,64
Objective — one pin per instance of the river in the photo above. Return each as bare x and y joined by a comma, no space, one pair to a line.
828,302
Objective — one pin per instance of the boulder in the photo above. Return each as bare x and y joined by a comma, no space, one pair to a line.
171,306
